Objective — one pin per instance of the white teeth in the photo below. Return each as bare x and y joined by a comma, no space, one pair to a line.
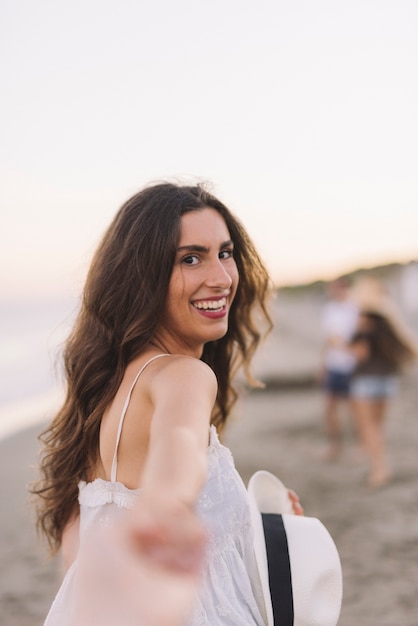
213,305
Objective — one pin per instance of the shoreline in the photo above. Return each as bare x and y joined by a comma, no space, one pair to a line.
19,415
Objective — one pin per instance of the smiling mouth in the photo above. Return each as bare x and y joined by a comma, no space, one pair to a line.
210,305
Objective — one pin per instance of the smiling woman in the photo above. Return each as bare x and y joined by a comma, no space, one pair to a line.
166,319
202,285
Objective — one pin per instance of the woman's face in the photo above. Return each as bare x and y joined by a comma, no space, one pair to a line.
202,286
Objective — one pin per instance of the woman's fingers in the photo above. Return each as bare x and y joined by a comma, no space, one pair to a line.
171,537
296,505
142,569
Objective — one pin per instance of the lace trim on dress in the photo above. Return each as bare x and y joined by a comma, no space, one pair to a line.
100,492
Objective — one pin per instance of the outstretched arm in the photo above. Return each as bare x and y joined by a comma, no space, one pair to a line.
183,393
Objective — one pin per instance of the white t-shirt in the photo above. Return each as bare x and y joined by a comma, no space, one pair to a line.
339,319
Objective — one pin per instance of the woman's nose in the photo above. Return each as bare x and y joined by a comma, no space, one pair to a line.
218,276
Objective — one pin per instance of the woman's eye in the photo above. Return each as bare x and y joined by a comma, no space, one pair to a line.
226,254
190,259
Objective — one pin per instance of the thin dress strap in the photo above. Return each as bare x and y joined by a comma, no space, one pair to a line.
114,469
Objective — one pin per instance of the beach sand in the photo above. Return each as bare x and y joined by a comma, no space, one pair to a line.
28,580
281,430
376,531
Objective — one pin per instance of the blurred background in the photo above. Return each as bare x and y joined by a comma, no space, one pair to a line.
302,118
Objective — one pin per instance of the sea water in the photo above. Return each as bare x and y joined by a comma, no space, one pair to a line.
32,333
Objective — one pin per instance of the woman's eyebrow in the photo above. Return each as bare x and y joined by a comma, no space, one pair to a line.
197,248
192,248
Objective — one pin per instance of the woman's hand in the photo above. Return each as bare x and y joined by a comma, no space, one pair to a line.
296,505
167,532
144,568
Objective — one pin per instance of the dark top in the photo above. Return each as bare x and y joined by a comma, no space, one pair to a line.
376,363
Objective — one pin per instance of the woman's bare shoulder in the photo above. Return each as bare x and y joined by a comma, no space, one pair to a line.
163,366
183,369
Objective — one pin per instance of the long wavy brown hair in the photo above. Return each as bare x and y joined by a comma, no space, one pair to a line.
123,299
387,342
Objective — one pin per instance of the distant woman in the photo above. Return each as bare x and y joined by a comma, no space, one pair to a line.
171,309
381,351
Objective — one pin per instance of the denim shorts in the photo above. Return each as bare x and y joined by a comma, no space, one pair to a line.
373,387
337,383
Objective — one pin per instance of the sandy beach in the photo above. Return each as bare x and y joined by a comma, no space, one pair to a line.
278,429
376,531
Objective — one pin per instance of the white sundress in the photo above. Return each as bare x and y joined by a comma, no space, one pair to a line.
228,595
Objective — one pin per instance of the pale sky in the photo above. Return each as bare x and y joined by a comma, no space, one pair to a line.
302,114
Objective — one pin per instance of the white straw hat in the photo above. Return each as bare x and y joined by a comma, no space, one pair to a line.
301,558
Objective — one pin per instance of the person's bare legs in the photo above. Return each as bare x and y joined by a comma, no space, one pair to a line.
332,426
380,470
359,449
370,419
